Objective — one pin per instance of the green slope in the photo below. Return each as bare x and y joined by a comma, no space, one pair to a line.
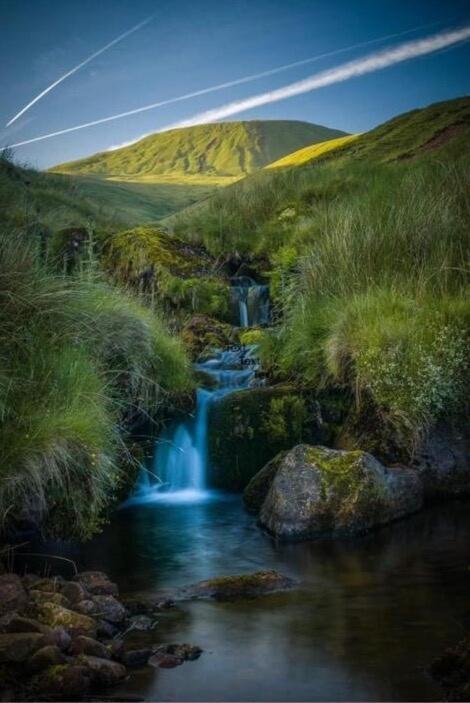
247,212
215,151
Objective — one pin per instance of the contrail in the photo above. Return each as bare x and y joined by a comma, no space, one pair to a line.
78,67
352,69
211,89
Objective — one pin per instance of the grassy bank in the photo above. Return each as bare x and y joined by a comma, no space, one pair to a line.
369,250
77,357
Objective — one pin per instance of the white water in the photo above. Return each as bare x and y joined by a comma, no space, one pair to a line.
179,467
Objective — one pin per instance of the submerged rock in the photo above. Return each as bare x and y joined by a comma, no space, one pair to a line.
318,491
136,658
165,661
240,586
187,652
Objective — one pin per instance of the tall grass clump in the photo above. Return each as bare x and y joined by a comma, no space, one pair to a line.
380,304
76,358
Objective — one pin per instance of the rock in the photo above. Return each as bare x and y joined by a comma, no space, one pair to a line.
452,671
135,658
12,593
443,461
86,645
141,622
318,491
187,652
165,661
257,489
97,583
202,333
105,671
49,597
60,637
75,623
19,646
86,607
50,655
250,427
243,586
73,591
110,609
15,623
64,681
106,629
43,584
146,606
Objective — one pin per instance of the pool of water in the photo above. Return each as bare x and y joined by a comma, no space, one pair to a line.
368,617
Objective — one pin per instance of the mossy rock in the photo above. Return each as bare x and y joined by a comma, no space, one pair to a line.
202,333
226,588
257,489
249,427
317,491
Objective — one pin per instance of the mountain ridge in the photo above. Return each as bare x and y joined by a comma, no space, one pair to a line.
217,150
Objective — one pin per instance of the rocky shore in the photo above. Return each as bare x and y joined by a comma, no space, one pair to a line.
66,640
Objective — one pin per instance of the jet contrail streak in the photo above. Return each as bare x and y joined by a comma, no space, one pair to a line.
211,89
78,67
352,69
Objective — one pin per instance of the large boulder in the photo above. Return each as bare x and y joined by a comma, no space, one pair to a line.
317,491
257,489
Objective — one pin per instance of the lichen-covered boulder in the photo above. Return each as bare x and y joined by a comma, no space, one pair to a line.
75,623
317,491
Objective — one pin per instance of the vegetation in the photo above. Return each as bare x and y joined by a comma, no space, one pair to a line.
368,245
78,358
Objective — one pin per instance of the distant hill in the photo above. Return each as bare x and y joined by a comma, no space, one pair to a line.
216,152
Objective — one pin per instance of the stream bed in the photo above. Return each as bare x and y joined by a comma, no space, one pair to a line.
369,616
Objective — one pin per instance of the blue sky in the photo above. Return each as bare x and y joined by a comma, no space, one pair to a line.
192,45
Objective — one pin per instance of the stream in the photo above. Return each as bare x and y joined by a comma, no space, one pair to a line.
370,613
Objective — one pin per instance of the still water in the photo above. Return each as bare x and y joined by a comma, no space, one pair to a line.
368,618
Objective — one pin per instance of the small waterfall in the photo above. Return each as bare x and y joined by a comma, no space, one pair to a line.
179,464
178,470
250,302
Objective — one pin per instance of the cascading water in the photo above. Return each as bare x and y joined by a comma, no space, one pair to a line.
250,302
179,464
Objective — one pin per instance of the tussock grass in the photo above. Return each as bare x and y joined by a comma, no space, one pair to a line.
76,356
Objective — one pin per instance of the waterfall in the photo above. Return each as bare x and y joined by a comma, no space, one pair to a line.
178,470
250,302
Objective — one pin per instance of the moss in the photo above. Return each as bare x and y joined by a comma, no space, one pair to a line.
202,333
244,436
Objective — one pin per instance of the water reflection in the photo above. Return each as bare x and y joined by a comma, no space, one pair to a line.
370,615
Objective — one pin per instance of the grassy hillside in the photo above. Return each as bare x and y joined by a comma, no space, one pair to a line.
220,150
368,247
313,151
54,201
